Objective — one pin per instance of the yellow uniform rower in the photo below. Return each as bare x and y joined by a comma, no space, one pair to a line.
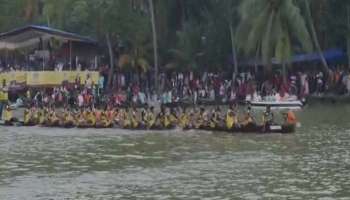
8,115
184,119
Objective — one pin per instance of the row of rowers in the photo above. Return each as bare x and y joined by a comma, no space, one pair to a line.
145,118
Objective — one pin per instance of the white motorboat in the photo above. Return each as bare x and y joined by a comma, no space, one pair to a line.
275,102
293,105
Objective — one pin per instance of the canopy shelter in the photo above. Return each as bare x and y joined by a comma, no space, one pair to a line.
32,35
44,44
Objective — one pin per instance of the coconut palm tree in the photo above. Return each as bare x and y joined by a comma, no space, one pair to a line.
188,46
228,9
155,44
30,10
314,35
272,29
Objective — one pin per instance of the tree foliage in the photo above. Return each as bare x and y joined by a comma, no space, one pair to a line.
271,28
196,33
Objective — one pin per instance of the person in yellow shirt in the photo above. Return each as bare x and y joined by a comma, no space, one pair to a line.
26,116
215,118
54,119
126,120
133,117
8,115
198,120
166,120
160,119
229,120
184,119
80,120
42,117
91,118
68,119
248,118
150,118
173,118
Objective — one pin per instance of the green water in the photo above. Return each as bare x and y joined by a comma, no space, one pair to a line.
314,163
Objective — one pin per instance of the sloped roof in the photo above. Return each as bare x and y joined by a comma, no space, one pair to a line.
32,34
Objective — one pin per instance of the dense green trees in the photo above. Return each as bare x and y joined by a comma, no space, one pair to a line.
192,34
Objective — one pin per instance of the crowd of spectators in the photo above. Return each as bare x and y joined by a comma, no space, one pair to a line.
194,88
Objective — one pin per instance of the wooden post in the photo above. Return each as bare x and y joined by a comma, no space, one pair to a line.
348,35
155,46
70,55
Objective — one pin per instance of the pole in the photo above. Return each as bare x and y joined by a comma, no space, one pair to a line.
155,46
6,57
70,55
348,35
234,56
43,61
43,54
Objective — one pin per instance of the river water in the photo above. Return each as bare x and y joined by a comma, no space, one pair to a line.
314,163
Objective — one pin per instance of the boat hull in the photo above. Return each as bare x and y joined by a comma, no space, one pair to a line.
250,128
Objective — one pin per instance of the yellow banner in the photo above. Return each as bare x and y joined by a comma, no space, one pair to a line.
2,78
42,78
18,77
57,78
3,96
9,77
84,76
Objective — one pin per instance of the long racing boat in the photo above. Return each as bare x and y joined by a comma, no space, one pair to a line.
250,128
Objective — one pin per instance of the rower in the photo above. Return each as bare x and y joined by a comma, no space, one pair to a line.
118,116
230,119
290,118
144,116
192,120
203,118
268,117
248,118
98,114
215,118
134,122
166,121
91,118
69,118
35,116
126,118
110,113
150,119
184,119
104,120
173,117
8,115
42,117
198,121
26,116
160,117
